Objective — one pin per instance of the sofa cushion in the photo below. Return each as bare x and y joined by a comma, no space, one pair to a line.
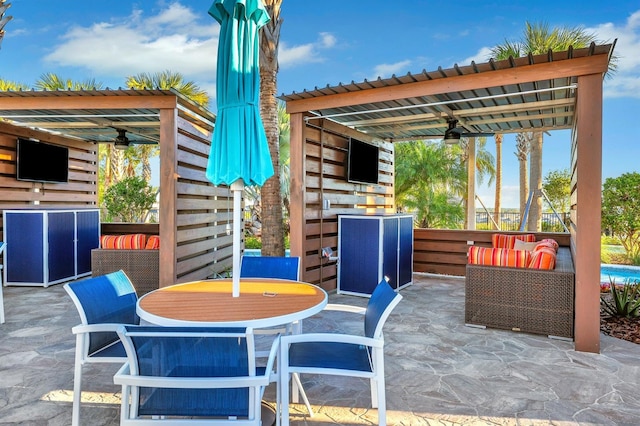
498,257
508,241
552,242
543,258
153,243
129,241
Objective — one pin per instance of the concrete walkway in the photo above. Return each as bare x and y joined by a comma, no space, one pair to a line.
438,371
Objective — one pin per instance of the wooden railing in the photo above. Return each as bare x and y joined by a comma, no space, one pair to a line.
440,251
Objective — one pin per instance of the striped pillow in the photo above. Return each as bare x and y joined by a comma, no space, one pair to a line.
130,241
551,241
508,241
498,257
543,258
153,243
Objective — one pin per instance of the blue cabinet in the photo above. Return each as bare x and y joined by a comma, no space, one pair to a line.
373,247
48,246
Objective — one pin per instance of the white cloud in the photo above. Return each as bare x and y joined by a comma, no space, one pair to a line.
482,55
626,80
386,70
173,39
305,53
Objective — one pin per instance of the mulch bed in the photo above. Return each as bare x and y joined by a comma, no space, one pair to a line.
621,328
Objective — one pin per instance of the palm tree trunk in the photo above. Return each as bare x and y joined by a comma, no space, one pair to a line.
535,211
497,206
271,199
522,152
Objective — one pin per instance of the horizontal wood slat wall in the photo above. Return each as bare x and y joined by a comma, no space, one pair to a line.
203,211
444,251
326,148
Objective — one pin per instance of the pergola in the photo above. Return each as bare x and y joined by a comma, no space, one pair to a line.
558,90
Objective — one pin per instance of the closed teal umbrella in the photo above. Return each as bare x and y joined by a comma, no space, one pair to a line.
239,150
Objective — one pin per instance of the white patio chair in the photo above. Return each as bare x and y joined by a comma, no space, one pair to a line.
342,354
185,375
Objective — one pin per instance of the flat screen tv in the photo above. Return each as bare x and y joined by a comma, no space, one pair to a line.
362,163
41,162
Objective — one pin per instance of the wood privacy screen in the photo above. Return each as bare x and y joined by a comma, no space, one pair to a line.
319,164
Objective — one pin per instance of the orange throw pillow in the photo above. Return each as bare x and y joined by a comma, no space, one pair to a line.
543,258
508,241
153,243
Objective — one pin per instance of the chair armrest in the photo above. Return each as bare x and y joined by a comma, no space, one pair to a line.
332,337
122,378
345,308
95,328
275,346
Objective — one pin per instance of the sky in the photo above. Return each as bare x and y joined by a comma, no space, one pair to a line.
327,43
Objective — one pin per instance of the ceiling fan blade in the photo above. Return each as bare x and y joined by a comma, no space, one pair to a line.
477,135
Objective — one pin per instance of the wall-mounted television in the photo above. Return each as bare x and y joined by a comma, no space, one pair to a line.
362,162
41,162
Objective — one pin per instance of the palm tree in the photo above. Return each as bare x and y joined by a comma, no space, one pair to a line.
3,19
272,241
498,197
52,81
540,39
522,152
8,85
166,80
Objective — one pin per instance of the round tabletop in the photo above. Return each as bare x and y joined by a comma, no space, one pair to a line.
262,303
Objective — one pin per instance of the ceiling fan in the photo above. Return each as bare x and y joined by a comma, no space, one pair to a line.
453,134
123,142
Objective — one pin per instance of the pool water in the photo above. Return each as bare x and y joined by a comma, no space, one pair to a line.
619,273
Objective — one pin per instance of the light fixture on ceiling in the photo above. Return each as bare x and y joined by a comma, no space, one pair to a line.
452,135
121,141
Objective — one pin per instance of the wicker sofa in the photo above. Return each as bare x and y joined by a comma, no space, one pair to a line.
141,265
522,299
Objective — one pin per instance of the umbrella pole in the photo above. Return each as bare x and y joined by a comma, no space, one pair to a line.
236,188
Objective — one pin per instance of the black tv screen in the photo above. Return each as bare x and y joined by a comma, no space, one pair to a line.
41,162
362,164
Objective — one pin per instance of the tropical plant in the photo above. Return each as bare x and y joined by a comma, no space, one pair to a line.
7,85
3,19
52,81
621,210
431,180
273,243
557,186
625,299
167,80
536,39
497,205
129,200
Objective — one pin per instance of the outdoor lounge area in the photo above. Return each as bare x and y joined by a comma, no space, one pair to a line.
438,371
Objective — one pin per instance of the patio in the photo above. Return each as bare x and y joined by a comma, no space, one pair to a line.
438,371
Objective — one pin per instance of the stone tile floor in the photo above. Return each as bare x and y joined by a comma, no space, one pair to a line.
439,372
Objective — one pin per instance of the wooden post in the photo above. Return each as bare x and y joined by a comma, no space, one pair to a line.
471,184
168,195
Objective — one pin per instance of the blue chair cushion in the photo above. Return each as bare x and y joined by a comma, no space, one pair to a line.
341,356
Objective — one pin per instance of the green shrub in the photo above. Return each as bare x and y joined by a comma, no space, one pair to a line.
251,242
625,299
608,240
129,200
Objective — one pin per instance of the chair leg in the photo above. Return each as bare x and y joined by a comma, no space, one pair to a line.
297,389
374,393
283,360
77,381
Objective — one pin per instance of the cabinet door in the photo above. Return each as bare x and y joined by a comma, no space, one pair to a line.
390,250
87,238
62,253
360,255
24,256
405,260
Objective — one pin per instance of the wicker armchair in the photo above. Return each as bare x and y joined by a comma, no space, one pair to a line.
522,299
141,266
